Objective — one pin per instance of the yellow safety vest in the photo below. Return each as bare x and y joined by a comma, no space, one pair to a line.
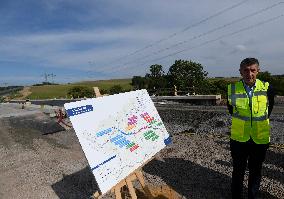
249,120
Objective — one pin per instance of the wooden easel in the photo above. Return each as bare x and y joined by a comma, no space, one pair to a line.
137,174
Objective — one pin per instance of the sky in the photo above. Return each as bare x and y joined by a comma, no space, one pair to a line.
65,41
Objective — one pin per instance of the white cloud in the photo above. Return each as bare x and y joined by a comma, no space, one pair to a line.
133,24
241,47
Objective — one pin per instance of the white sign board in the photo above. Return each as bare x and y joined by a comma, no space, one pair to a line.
117,133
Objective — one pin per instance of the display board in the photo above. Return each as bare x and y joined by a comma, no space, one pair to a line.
118,133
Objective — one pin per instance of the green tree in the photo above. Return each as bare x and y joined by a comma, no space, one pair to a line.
278,85
265,76
219,87
156,78
81,91
139,82
186,74
277,81
156,71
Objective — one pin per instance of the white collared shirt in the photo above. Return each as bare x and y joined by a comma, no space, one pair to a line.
249,91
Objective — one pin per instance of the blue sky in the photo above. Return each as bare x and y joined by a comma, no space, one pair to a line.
102,39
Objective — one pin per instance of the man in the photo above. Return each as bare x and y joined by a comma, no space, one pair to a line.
250,102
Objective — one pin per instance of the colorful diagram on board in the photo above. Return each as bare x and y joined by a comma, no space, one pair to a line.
118,134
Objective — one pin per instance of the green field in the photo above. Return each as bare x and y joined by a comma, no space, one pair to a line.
60,91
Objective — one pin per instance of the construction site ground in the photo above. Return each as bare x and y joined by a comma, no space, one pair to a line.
196,165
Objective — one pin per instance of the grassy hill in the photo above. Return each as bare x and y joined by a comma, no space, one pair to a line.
61,90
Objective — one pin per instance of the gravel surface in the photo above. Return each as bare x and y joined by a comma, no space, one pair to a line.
8,110
212,119
199,166
196,165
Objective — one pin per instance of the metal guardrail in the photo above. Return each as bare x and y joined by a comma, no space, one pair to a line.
5,92
51,102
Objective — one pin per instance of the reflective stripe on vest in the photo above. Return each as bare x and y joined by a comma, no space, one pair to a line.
261,118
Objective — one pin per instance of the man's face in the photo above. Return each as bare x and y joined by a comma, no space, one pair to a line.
249,74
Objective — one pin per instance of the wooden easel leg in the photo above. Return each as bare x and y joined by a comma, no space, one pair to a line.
131,189
128,182
140,178
96,195
117,192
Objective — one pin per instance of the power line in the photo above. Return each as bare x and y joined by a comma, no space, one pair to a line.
223,36
203,34
216,39
181,31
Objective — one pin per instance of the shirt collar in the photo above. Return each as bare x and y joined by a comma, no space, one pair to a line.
247,86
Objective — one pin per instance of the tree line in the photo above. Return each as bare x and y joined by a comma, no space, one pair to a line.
276,81
189,77
183,77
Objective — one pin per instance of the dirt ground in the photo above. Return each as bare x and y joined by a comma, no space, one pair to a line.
50,166
26,91
31,163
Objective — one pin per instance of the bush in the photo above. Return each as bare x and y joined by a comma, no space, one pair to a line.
221,87
45,83
115,89
81,91
103,91
277,84
15,94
